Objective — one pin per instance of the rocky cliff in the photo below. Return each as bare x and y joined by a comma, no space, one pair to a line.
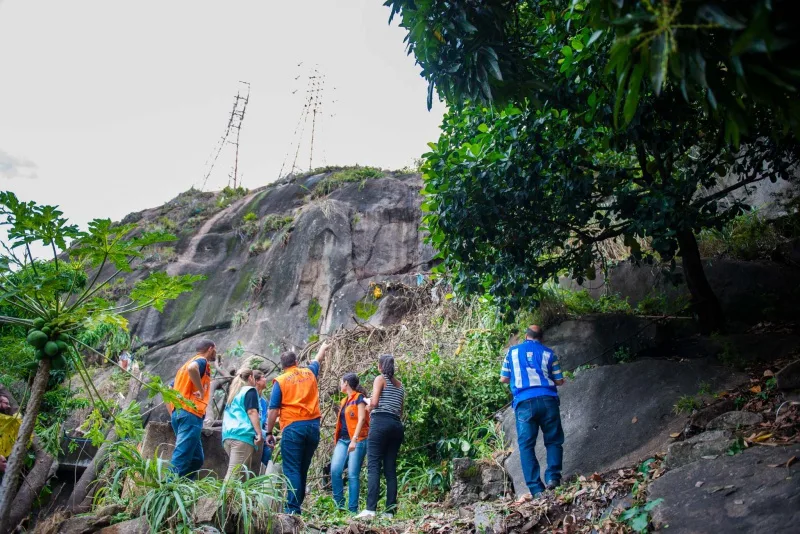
283,263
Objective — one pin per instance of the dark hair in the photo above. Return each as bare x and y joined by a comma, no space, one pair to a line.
353,381
203,345
534,334
386,362
288,359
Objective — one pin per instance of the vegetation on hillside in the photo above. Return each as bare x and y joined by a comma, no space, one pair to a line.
54,305
565,132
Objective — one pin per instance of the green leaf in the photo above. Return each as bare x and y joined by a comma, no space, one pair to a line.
640,522
159,287
567,51
576,44
659,62
652,504
483,128
595,36
634,87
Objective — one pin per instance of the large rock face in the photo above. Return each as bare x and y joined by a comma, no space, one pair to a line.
616,415
749,492
308,280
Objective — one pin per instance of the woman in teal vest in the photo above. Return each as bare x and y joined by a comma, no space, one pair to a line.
241,425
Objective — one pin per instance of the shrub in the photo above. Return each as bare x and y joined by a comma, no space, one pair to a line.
274,222
748,236
260,247
250,216
338,179
314,313
365,309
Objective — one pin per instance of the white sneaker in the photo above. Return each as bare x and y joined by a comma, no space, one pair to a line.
366,514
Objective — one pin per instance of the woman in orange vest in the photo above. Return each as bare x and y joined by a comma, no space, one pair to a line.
352,427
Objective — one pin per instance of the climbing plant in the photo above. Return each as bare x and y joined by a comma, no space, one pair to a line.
51,303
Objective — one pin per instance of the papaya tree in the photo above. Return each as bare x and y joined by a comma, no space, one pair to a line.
562,135
50,303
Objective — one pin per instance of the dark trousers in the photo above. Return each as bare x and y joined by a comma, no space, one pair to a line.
534,414
298,444
385,438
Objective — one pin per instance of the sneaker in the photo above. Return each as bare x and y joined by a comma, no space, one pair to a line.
366,515
387,515
553,484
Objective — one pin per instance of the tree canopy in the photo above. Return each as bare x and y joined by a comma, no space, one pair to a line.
569,125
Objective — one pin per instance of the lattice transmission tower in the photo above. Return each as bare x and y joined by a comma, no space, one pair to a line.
311,117
230,137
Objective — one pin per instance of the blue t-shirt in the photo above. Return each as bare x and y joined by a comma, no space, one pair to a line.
532,369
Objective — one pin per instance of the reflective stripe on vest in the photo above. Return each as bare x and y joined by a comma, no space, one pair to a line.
184,386
236,423
350,406
299,396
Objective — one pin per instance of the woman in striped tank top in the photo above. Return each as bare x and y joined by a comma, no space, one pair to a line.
385,437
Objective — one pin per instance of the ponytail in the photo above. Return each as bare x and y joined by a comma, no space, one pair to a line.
353,381
239,381
386,363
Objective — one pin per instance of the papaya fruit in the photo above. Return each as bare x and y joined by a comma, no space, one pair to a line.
62,346
39,353
59,362
51,349
38,323
46,330
63,337
32,366
37,339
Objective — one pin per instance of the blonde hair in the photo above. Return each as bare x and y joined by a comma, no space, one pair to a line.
239,381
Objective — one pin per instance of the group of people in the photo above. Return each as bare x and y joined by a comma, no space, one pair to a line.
366,426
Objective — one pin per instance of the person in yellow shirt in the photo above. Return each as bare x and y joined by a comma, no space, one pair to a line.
9,428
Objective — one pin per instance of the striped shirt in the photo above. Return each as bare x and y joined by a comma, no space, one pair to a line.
391,399
532,369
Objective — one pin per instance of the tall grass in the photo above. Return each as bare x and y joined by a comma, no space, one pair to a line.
169,503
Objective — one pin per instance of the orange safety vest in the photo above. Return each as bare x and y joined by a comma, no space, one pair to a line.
350,407
299,395
184,386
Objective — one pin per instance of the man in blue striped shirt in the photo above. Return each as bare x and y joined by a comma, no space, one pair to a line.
533,372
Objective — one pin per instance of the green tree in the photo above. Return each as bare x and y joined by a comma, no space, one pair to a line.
51,303
558,140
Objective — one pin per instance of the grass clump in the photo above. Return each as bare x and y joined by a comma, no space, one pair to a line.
342,177
685,404
260,247
749,236
365,309
274,222
314,313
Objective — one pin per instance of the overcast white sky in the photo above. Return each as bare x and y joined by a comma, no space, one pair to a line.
108,107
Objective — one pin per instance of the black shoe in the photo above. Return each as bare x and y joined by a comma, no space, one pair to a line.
553,484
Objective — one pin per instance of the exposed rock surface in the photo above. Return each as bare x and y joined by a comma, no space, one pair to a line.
159,439
476,481
734,420
708,445
732,494
615,415
789,376
86,524
307,282
133,526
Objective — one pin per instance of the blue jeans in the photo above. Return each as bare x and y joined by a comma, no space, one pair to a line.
187,458
533,414
354,461
299,441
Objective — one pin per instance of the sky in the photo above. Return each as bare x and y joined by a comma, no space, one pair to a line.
112,107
